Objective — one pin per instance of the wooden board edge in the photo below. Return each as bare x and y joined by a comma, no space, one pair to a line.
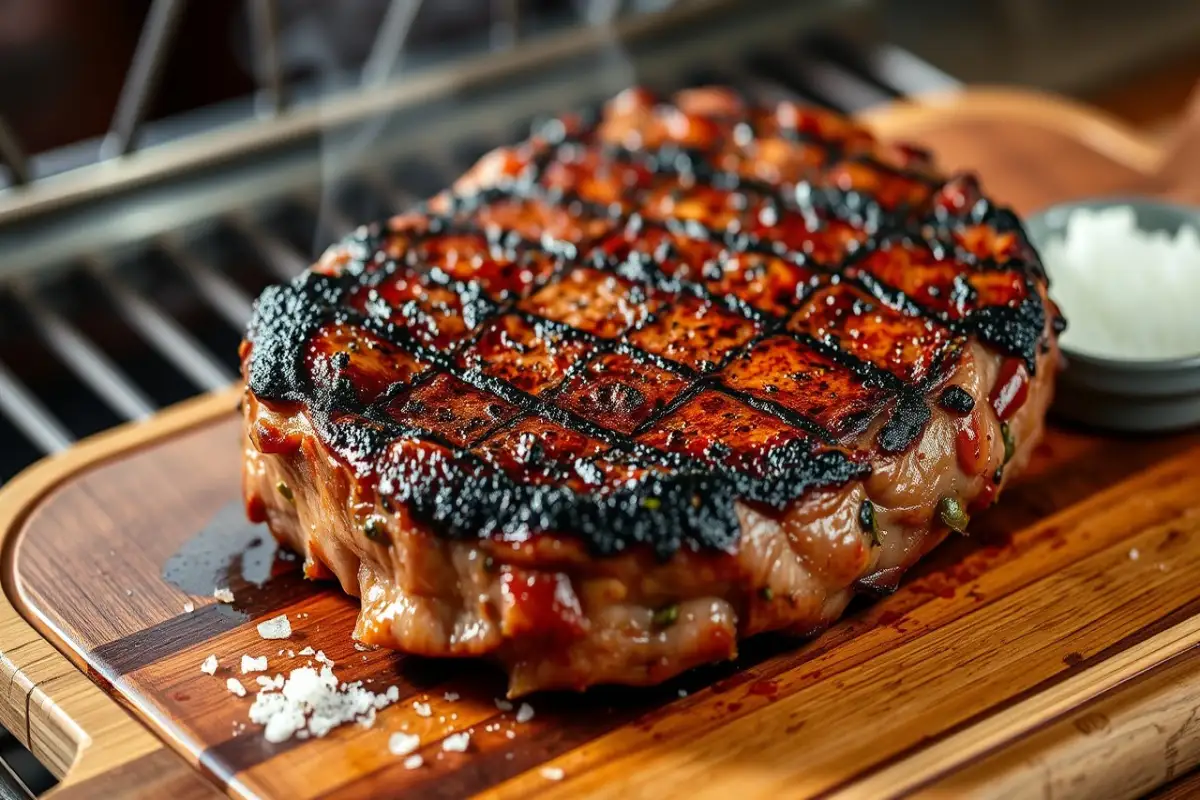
67,721
1153,723
1002,738
79,732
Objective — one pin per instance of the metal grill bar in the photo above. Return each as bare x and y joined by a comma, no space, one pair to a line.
12,154
389,42
144,73
506,25
25,411
11,786
828,80
88,362
168,337
224,295
268,66
907,73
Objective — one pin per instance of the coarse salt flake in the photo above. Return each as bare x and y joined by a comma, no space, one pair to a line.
235,687
413,762
423,709
308,651
553,773
311,703
1133,554
189,606
503,705
209,665
451,697
401,744
275,628
223,595
456,742
251,664
524,713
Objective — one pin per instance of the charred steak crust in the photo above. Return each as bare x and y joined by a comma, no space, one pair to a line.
635,292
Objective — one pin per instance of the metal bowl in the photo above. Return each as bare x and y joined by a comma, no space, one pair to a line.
1120,395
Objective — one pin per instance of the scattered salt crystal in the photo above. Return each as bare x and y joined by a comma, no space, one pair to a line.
423,709
275,628
264,681
508,756
503,705
324,659
392,693
1133,554
129,592
362,648
524,713
251,664
235,687
223,595
456,743
311,703
401,744
683,692
209,665
413,762
510,734
189,606
291,653
308,651
451,697
552,773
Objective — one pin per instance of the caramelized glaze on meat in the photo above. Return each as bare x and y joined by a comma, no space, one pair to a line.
658,360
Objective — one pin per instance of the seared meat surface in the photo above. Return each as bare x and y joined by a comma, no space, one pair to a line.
645,385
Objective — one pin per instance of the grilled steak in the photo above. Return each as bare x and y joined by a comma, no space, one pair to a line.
646,384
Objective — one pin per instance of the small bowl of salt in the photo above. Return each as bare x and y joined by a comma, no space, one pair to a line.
1126,275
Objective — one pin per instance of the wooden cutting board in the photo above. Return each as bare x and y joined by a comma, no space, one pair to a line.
1051,653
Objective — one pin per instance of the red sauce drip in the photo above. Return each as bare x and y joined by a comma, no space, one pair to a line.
983,499
256,509
273,440
972,458
1012,387
764,687
540,604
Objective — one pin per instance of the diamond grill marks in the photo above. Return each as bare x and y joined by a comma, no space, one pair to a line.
695,333
344,358
532,356
597,302
716,427
619,392
451,409
848,319
783,370
618,331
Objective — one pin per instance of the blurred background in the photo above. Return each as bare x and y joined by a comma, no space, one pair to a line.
161,161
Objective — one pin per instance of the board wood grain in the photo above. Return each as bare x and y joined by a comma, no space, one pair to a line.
1052,650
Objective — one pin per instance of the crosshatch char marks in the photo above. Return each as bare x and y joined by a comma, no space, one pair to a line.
609,274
